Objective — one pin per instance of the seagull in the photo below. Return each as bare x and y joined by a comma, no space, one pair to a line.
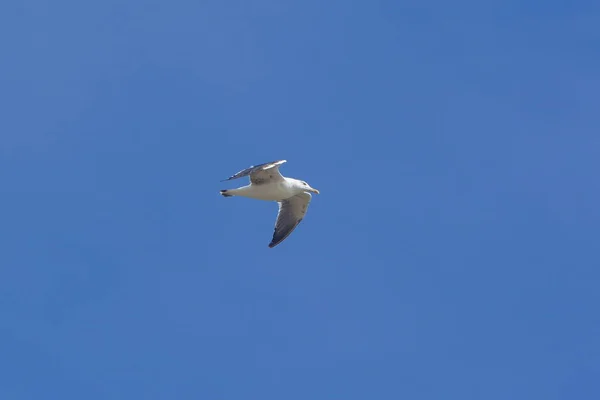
267,183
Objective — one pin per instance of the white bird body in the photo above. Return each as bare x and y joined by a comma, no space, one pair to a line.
273,191
267,183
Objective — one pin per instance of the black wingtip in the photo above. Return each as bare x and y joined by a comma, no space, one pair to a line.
224,193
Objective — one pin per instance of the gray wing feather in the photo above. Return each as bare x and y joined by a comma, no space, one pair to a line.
291,213
260,173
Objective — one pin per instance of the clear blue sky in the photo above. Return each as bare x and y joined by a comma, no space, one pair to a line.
453,252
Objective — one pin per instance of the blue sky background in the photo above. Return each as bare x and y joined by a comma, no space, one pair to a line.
452,254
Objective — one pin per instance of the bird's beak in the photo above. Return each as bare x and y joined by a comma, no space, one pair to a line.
314,191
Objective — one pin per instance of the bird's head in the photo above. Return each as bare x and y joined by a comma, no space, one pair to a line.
305,187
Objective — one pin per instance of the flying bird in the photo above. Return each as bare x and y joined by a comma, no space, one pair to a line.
267,183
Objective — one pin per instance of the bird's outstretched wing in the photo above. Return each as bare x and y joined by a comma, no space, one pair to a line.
262,173
291,213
